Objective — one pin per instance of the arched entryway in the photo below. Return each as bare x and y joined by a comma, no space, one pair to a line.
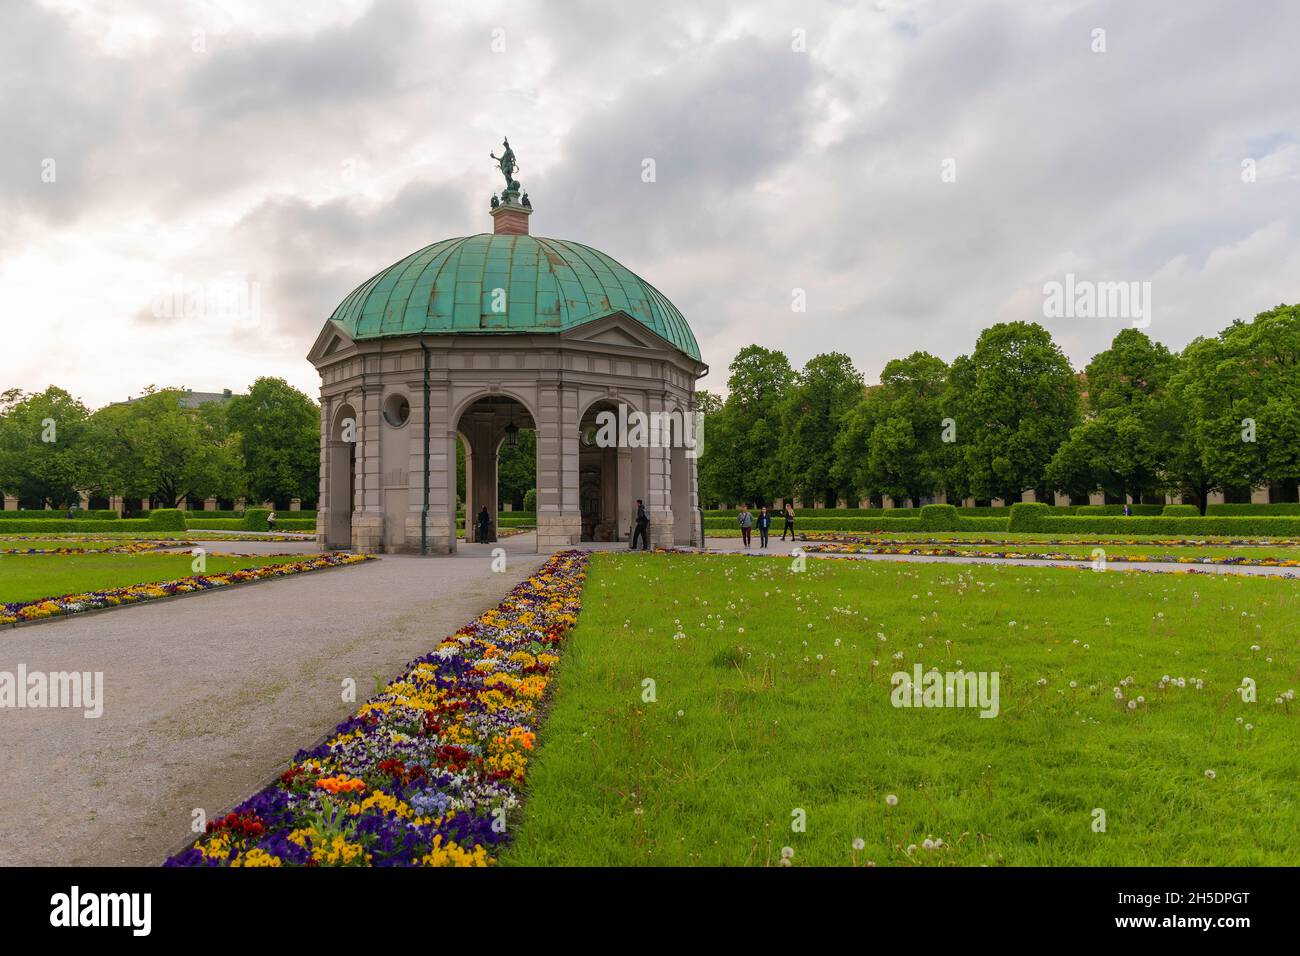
611,475
489,428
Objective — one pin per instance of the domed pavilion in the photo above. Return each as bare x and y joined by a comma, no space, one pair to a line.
474,338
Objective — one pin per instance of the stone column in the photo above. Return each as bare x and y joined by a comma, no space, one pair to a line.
295,504
659,481
441,521
368,508
11,503
1259,496
559,520
209,504
1097,498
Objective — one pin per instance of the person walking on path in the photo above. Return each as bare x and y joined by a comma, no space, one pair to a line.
746,523
642,522
484,525
787,513
764,523
270,521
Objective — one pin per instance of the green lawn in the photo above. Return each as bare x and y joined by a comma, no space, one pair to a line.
29,577
1084,551
769,701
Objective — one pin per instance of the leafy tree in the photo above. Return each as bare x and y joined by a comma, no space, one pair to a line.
517,469
1132,372
1014,399
740,460
1123,447
43,446
824,393
907,456
278,432
156,448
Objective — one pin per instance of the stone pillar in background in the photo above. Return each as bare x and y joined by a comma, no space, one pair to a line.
209,504
11,503
1029,495
1060,500
1214,498
1097,498
368,509
295,504
1259,496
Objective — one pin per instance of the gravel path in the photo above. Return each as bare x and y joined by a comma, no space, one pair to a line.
207,697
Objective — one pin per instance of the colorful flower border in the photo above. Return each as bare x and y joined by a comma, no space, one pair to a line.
129,547
933,552
23,611
428,772
850,537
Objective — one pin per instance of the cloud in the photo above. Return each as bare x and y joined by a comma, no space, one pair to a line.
303,149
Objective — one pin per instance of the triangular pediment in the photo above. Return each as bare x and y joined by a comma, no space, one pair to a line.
332,340
617,329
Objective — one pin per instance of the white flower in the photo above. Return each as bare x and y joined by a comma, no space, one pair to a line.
787,852
1210,773
891,800
1132,705
859,843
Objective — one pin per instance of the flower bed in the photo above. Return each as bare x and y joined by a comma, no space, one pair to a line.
22,611
130,547
1162,540
1013,555
428,771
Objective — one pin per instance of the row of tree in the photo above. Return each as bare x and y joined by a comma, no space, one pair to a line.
263,446
1013,415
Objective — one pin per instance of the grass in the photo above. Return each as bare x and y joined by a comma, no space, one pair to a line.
120,536
750,727
1084,551
1022,537
29,577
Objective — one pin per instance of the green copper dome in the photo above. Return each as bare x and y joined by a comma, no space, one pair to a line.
550,285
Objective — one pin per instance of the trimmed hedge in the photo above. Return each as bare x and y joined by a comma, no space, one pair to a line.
59,514
1033,518
163,519
1093,511
912,523
1004,511
215,524
1254,511
1182,511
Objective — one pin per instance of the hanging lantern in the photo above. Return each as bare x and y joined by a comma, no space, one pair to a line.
512,435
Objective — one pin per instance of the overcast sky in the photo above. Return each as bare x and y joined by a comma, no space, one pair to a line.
286,151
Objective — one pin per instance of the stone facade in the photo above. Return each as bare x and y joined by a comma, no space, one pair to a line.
373,467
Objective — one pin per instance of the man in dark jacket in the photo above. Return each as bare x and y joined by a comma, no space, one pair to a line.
484,525
642,522
764,523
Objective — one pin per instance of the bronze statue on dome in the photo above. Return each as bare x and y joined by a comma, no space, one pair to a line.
506,163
